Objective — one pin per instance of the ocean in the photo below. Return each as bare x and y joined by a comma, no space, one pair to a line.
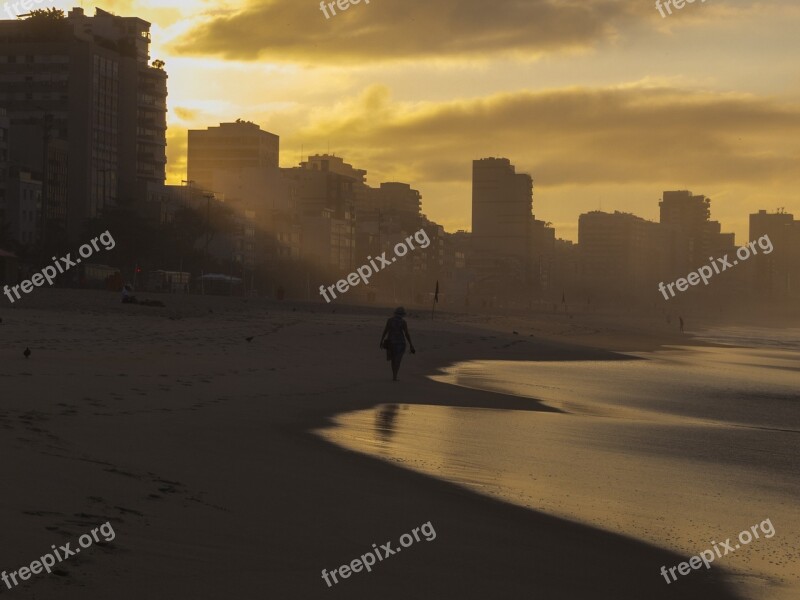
682,447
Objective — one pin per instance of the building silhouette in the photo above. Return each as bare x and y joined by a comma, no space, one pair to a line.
239,163
776,275
621,256
84,85
692,235
502,213
326,206
229,148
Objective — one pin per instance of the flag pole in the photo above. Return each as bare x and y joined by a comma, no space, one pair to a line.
435,299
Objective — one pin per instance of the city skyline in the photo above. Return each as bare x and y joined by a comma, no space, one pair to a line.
322,211
592,110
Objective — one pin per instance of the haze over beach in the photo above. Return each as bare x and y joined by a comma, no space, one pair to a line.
450,300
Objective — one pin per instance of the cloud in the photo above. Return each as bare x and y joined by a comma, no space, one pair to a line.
298,31
626,134
186,114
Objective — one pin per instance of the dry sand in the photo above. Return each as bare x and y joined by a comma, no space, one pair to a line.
195,444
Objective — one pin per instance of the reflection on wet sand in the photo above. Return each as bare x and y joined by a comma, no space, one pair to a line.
679,450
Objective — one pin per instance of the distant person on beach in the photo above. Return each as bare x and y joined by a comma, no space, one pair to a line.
127,295
681,320
394,337
129,298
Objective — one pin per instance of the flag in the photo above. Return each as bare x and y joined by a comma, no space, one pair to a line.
436,294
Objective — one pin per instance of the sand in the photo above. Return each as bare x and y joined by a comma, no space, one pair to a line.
685,448
197,446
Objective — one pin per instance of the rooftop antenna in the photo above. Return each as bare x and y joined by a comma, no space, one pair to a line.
301,153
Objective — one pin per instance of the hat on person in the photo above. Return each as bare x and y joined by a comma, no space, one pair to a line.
400,311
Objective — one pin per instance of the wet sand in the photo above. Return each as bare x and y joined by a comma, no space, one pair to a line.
198,447
685,448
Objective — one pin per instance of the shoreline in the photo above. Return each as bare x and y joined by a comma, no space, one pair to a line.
209,439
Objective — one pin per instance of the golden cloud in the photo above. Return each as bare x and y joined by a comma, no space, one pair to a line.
299,31
629,134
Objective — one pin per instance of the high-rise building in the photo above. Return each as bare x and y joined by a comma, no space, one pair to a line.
393,208
400,198
502,210
230,147
620,256
777,274
771,224
325,200
692,236
543,244
86,81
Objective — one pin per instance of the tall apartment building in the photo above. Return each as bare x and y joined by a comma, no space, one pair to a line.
621,255
693,236
543,246
325,200
502,210
239,163
777,274
392,208
401,202
87,82
229,148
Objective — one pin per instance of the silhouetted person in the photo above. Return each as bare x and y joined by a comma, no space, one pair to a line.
681,320
129,298
395,334
127,295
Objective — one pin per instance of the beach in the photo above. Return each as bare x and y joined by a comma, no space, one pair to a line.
682,449
203,450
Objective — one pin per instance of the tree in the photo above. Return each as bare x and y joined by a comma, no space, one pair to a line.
45,15
46,24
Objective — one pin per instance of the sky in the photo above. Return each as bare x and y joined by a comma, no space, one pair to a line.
604,102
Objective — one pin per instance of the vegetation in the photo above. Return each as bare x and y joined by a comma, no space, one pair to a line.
46,15
181,243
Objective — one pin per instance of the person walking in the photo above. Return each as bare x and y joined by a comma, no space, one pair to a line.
394,337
